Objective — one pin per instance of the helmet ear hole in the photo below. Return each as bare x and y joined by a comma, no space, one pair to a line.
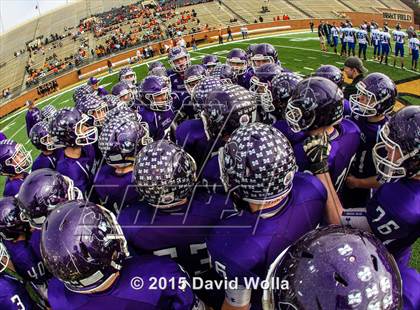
340,279
374,262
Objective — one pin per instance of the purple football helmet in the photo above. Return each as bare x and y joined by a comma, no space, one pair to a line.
155,64
397,155
83,246
192,76
227,108
48,113
335,267
209,62
376,94
224,72
127,74
11,225
257,164
238,60
112,101
155,93
203,89
41,192
14,158
316,102
40,137
282,88
70,128
124,92
179,59
82,91
120,111
94,107
261,85
332,73
121,139
164,174
259,54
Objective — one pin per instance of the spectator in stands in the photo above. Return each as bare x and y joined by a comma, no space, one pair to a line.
6,93
354,69
321,35
229,31
261,19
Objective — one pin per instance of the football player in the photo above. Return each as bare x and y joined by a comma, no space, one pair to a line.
399,38
121,139
33,115
98,90
192,77
225,73
16,236
374,100
81,92
154,104
85,249
175,216
15,292
385,39
71,131
41,139
48,112
210,62
190,134
260,54
276,205
363,39
179,59
392,213
261,89
112,102
316,106
15,161
94,107
238,60
39,195
376,41
334,267
226,109
124,92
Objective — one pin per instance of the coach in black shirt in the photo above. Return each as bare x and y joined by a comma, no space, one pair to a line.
354,69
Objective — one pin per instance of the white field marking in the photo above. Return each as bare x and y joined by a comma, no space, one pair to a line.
162,58
203,54
307,68
7,127
221,52
297,60
27,141
310,57
340,63
19,130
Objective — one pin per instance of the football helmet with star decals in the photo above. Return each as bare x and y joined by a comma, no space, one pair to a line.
209,62
164,174
94,107
227,108
334,267
127,74
40,137
11,224
257,164
192,76
282,88
155,93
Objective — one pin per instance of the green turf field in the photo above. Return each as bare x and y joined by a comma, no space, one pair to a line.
298,52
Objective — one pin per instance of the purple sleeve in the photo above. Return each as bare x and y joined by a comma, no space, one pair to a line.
2,136
411,284
13,295
102,92
43,161
72,170
12,187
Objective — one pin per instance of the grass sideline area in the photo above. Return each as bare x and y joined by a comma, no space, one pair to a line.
298,52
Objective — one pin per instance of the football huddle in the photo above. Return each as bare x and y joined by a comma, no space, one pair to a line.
174,191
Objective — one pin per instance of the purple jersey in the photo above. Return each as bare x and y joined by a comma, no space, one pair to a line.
180,231
2,136
210,175
293,137
363,165
244,80
411,284
81,169
102,92
347,109
44,161
12,186
191,137
13,294
344,144
394,215
159,122
32,117
115,191
178,88
26,262
35,242
123,295
245,244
